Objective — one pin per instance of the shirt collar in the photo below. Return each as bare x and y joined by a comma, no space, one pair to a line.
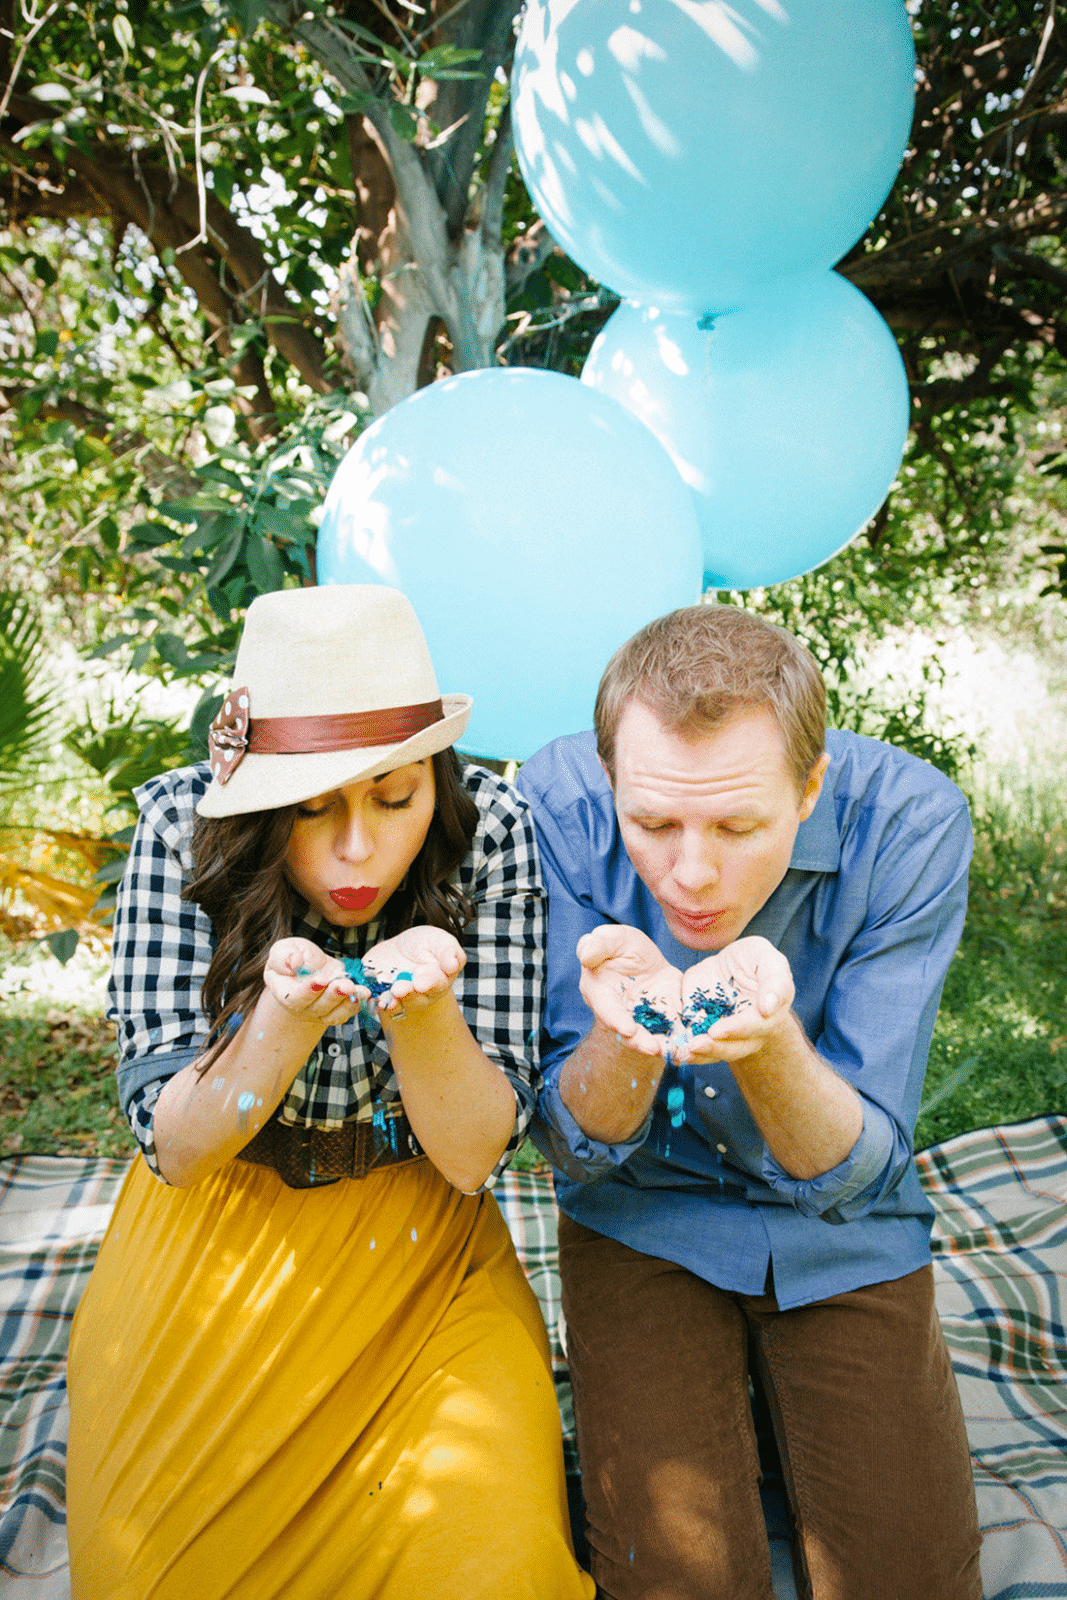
817,847
310,924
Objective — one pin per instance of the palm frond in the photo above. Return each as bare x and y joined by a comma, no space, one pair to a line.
27,711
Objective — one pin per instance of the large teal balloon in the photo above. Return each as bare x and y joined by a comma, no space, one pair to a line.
533,524
686,151
787,420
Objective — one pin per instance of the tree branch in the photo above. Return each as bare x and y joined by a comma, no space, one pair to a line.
160,470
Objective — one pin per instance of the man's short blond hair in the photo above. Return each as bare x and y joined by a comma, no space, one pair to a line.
698,667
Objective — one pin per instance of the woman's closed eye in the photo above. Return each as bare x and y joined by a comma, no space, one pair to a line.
317,808
396,805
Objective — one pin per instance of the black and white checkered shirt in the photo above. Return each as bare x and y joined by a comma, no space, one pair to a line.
163,944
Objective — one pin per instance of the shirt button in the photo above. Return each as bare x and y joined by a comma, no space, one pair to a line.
721,1148
710,1092
333,1050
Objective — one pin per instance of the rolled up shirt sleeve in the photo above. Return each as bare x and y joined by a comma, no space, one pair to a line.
877,1020
161,949
501,987
851,1188
569,1148
567,1019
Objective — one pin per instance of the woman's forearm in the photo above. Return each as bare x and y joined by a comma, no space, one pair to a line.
203,1119
460,1104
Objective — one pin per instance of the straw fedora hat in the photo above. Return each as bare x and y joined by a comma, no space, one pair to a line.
330,685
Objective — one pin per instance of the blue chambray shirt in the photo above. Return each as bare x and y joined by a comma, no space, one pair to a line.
868,915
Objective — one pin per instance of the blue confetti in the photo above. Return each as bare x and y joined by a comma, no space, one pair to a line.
676,1104
359,974
650,1017
245,1102
704,1010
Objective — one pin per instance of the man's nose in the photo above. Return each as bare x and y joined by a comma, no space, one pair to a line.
695,866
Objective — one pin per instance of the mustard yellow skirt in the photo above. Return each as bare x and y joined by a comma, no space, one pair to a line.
325,1394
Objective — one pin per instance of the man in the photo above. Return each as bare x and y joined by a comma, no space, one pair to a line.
750,920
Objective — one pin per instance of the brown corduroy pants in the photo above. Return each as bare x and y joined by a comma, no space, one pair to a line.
866,1416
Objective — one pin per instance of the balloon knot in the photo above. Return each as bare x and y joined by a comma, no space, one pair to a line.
707,322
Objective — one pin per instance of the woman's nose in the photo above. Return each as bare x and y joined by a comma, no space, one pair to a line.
354,842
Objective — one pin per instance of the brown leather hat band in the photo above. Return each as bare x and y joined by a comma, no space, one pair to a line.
354,730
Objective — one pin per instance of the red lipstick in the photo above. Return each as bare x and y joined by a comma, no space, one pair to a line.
354,899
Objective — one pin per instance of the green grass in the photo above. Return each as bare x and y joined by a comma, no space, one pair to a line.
57,1085
999,1052
1001,1035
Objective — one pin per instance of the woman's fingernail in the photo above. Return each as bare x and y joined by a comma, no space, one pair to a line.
318,987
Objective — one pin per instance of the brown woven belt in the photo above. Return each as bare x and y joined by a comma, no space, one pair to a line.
307,1157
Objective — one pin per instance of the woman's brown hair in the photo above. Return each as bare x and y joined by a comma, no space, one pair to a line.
239,883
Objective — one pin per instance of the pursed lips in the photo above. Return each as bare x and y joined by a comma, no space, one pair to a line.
355,899
699,921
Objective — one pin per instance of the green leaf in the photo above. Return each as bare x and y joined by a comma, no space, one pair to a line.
149,534
111,871
224,181
356,104
186,509
29,405
244,334
226,557
210,533
26,710
87,450
172,650
44,270
283,523
447,55
247,94
123,32
109,646
405,121
563,272
249,14
216,474
177,564
46,342
401,63
265,565
202,718
63,944
51,93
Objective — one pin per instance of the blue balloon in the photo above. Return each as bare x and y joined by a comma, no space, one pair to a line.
787,420
533,524
686,151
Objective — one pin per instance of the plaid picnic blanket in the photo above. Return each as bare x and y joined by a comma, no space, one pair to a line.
1001,1267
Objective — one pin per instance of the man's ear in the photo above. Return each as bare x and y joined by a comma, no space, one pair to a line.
813,787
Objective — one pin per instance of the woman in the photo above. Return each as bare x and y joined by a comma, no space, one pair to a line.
308,1363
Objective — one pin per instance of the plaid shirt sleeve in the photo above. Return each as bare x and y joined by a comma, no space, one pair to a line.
161,948
501,988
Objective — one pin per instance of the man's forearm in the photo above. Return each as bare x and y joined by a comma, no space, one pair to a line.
607,1087
810,1118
